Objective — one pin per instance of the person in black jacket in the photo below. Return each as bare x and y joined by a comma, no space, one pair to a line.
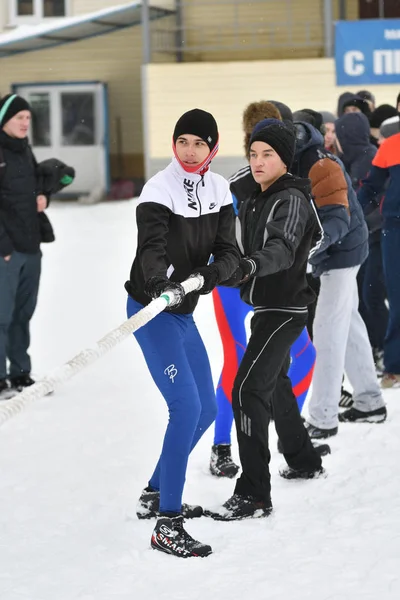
278,229
21,203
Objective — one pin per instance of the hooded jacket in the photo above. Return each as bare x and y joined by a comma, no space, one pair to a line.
345,241
183,218
385,172
353,132
350,99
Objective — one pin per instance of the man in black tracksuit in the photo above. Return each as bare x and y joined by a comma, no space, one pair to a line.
278,229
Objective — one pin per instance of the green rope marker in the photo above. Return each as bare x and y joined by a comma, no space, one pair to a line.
165,298
66,179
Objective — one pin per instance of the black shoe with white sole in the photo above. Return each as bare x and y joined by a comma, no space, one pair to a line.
21,382
316,433
240,507
346,399
171,537
353,415
322,449
5,391
148,506
221,463
289,473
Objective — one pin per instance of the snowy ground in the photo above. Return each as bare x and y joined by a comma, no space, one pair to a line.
73,465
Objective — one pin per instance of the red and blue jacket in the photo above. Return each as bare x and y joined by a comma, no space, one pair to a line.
386,164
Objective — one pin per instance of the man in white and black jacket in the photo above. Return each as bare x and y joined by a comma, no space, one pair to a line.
278,227
185,215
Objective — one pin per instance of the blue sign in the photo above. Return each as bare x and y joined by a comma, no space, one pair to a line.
367,51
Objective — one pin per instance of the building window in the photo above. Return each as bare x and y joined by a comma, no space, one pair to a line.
25,8
35,10
54,8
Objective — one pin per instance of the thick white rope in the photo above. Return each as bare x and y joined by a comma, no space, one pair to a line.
10,408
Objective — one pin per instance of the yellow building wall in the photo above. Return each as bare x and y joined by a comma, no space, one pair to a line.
79,7
4,17
225,89
225,30
114,59
281,27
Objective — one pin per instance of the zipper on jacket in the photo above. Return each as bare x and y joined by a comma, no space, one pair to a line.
253,283
197,195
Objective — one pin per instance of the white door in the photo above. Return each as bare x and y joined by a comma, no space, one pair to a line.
69,123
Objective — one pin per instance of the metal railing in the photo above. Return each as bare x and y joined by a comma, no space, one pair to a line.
201,28
258,29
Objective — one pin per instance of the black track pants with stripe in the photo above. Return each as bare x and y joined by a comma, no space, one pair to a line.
262,387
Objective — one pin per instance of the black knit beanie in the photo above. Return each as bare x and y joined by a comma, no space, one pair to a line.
279,136
381,113
285,111
198,122
10,105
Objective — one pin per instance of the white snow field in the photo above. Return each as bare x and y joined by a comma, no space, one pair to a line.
73,465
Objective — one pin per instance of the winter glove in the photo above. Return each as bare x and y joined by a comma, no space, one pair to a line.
211,278
246,269
157,285
249,267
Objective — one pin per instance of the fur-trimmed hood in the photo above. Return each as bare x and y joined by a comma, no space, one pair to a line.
253,114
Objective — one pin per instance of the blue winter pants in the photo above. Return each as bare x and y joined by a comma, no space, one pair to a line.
372,294
178,363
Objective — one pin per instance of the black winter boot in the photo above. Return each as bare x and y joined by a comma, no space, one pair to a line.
171,537
20,382
239,507
148,506
221,463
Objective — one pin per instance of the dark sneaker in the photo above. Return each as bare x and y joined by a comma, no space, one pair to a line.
5,391
148,506
221,463
289,473
321,449
316,433
170,536
21,382
346,399
240,507
357,416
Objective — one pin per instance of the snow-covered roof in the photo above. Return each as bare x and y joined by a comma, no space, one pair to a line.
27,38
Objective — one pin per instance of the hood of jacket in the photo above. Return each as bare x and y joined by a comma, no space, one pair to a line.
349,99
352,131
307,136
